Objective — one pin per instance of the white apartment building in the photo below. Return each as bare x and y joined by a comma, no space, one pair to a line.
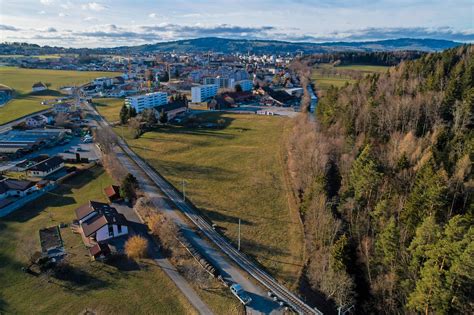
203,92
145,101
247,85
221,82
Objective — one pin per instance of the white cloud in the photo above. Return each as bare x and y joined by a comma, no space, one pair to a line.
42,12
68,5
90,18
62,14
152,15
47,2
94,6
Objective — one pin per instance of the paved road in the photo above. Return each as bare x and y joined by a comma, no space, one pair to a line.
182,284
165,193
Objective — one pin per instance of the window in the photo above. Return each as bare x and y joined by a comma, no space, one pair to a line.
111,230
119,229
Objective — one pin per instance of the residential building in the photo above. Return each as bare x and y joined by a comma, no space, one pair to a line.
202,93
39,86
46,167
37,121
221,82
246,85
10,187
100,222
145,101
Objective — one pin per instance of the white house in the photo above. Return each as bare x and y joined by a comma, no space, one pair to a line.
10,187
203,92
221,82
39,86
37,121
46,167
146,101
100,222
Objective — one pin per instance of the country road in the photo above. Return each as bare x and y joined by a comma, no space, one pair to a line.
165,194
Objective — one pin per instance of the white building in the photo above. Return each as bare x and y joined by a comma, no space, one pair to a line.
145,101
39,86
203,92
247,85
222,82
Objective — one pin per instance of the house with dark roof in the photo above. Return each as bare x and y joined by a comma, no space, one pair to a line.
100,222
10,187
52,245
39,86
46,167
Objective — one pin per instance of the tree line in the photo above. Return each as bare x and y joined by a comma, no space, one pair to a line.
384,181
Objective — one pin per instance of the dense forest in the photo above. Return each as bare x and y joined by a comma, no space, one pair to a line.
384,180
379,58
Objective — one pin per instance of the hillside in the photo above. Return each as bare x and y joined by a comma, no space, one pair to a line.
225,45
385,184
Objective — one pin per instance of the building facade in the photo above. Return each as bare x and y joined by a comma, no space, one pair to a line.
203,92
146,101
246,85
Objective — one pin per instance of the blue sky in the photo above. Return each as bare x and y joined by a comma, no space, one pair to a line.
106,23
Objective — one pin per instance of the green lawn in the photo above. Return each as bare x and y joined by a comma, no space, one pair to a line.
233,173
109,108
21,81
106,289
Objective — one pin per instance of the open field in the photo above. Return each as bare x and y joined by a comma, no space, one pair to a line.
21,80
109,108
364,68
122,288
326,75
234,173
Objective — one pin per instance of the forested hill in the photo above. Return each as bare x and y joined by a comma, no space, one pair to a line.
226,45
385,182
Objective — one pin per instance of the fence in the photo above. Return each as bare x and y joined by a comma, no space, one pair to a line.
23,201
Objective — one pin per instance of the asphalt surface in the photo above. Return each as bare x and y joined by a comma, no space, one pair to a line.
182,284
164,196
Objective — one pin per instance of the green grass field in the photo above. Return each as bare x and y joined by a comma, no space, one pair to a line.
326,75
233,173
21,80
109,108
106,289
364,68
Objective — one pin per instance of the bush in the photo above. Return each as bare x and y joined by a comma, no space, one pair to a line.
136,247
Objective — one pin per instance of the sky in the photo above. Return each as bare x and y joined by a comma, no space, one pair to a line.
109,23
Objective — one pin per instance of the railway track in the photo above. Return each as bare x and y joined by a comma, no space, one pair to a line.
238,257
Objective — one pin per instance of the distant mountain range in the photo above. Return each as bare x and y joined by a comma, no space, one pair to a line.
225,45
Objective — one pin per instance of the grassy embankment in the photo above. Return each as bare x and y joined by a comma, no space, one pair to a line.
25,102
106,289
326,75
232,173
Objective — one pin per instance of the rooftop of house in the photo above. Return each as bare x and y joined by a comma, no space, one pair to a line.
47,164
104,214
39,84
7,184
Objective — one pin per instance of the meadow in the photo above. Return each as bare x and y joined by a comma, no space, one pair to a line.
327,75
25,102
104,288
233,173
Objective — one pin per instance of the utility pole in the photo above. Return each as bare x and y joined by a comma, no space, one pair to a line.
238,247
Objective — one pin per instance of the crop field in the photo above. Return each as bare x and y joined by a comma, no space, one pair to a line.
25,102
116,288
